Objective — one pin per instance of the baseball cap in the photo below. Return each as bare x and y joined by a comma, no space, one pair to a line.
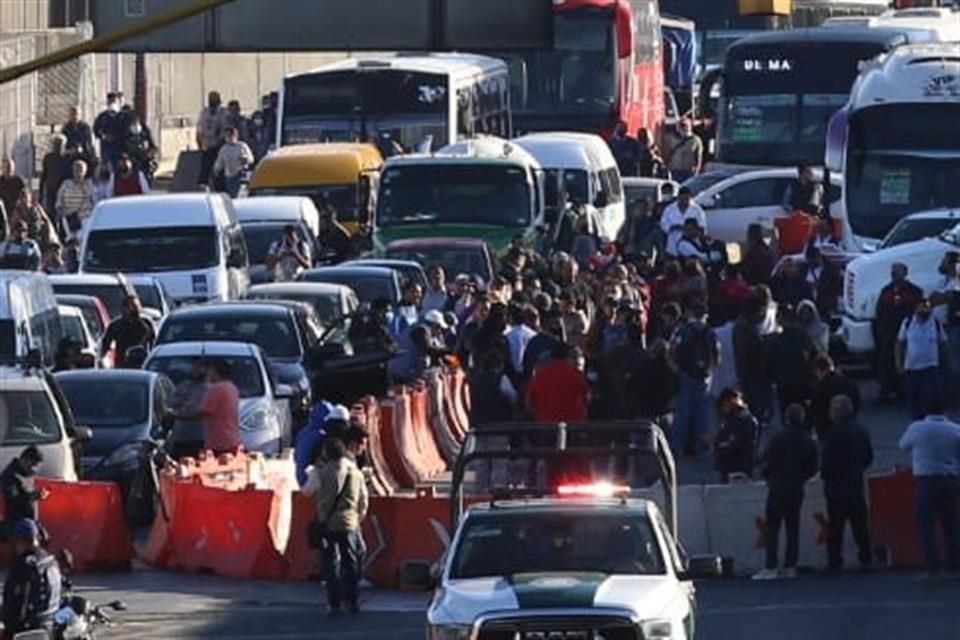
339,412
25,529
436,317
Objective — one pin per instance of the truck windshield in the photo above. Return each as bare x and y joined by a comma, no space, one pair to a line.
508,544
144,249
486,194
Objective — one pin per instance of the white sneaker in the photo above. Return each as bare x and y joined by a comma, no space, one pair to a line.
789,573
766,574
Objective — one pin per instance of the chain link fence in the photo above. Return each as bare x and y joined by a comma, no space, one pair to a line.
18,103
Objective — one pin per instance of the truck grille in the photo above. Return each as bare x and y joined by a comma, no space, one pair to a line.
560,628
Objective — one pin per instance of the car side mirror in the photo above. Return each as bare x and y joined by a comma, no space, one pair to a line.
703,568
284,391
82,434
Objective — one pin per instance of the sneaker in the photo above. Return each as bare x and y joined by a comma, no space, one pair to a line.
766,574
789,573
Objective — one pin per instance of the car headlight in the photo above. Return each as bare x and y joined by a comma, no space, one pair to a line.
257,419
448,632
657,629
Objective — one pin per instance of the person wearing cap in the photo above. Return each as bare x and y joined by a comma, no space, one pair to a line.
674,216
734,447
18,484
420,346
33,588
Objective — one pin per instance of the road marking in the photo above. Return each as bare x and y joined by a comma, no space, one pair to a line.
820,606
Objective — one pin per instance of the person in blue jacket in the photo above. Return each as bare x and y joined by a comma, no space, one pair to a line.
313,433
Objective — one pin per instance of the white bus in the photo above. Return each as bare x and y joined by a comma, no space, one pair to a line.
421,102
897,142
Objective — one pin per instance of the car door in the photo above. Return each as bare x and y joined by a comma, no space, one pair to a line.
734,208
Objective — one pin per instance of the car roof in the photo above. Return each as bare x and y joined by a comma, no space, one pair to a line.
645,182
836,34
107,279
390,263
221,348
273,307
269,208
20,379
944,213
315,288
436,243
353,270
560,505
166,210
106,375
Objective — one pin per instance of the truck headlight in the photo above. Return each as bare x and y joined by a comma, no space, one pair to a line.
657,629
448,632
256,419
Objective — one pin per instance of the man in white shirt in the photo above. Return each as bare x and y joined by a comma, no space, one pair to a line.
691,243
676,214
288,256
519,334
920,355
934,446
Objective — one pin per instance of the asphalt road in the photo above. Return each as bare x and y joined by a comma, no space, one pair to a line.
879,606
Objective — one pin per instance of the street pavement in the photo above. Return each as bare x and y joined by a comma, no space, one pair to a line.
878,606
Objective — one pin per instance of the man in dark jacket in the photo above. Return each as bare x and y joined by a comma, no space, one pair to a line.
18,482
790,460
736,441
896,303
791,357
847,454
830,384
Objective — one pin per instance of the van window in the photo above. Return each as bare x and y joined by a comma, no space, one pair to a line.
610,185
45,334
27,417
237,257
151,249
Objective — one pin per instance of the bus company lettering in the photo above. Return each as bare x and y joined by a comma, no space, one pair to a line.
771,64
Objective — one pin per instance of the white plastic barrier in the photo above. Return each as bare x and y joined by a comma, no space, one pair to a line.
736,524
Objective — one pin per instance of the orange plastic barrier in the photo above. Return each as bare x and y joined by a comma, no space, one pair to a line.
230,471
384,483
241,534
893,525
439,397
388,443
87,518
429,457
156,552
458,403
303,563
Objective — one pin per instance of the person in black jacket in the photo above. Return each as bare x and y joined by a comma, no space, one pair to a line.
791,357
847,454
736,441
18,483
790,460
830,384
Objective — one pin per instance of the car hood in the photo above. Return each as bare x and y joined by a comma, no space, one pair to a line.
462,601
107,438
497,237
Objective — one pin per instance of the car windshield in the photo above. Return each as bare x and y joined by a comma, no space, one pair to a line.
274,333
512,543
73,328
491,194
244,372
149,295
145,249
343,198
327,306
454,261
911,229
635,193
126,405
111,295
367,289
259,237
28,417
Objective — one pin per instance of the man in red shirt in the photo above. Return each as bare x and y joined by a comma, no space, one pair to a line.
558,391
220,410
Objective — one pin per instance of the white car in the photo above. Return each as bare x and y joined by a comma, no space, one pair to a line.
265,419
75,326
866,276
653,190
917,226
566,568
756,196
279,209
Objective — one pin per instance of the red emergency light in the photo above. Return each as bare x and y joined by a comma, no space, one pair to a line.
592,490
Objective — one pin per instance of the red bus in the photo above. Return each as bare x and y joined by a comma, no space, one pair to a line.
606,66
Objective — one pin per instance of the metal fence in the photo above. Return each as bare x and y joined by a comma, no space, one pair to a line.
18,103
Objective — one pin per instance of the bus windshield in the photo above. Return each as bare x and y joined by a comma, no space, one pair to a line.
894,171
578,75
342,106
778,99
484,194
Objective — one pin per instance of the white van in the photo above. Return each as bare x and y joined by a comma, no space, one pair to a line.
190,242
580,166
28,318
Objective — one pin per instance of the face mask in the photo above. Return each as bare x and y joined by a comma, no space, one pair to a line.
114,107
136,129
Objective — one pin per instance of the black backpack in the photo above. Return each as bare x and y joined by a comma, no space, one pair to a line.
694,350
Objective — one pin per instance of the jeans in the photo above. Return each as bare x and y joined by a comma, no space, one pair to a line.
342,566
840,508
692,417
923,386
783,507
233,185
937,500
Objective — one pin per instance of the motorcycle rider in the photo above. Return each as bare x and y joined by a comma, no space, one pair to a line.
33,588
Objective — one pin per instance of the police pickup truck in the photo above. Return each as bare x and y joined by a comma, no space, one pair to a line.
581,562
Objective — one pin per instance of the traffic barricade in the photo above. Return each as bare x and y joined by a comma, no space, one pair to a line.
303,562
439,400
892,522
87,518
230,471
241,534
389,439
387,484
405,437
457,403
429,454
157,549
